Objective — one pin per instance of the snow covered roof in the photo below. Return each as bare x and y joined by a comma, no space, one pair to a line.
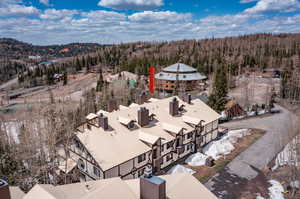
124,120
148,138
191,120
91,116
179,67
171,128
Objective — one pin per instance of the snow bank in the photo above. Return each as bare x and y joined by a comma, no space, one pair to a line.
276,190
197,159
224,146
288,156
180,169
261,112
251,113
218,148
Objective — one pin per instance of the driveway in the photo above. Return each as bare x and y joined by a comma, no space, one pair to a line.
246,166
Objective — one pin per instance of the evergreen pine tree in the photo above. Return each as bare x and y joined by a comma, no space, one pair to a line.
218,98
65,78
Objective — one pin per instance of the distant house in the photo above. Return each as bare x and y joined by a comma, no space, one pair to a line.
271,73
186,76
233,109
37,57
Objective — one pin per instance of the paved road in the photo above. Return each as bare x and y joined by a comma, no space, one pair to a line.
246,166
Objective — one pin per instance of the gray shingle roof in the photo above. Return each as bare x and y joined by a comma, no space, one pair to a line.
182,68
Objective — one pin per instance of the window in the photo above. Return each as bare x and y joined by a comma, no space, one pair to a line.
96,171
81,164
169,157
78,145
188,147
189,135
141,158
162,148
141,172
154,156
169,145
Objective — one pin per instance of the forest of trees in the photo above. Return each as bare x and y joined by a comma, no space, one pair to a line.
237,54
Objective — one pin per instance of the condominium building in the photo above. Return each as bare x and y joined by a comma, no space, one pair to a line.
175,186
157,134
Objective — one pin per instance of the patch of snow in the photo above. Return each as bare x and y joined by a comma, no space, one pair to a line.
196,159
276,190
223,115
13,130
224,146
295,184
218,148
259,196
251,113
261,112
288,156
239,117
180,169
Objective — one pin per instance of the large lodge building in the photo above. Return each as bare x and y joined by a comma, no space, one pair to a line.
155,134
186,77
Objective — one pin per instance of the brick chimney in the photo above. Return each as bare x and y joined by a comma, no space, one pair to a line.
143,116
4,190
152,187
103,121
142,98
173,107
112,105
187,98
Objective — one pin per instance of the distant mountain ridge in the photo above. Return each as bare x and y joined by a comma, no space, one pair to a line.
12,48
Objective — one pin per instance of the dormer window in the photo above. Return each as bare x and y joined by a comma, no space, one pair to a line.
81,164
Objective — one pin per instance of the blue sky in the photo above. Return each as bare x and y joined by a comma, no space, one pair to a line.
114,21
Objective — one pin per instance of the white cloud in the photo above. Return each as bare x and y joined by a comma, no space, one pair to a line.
57,14
131,4
54,26
163,16
274,5
45,2
18,10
